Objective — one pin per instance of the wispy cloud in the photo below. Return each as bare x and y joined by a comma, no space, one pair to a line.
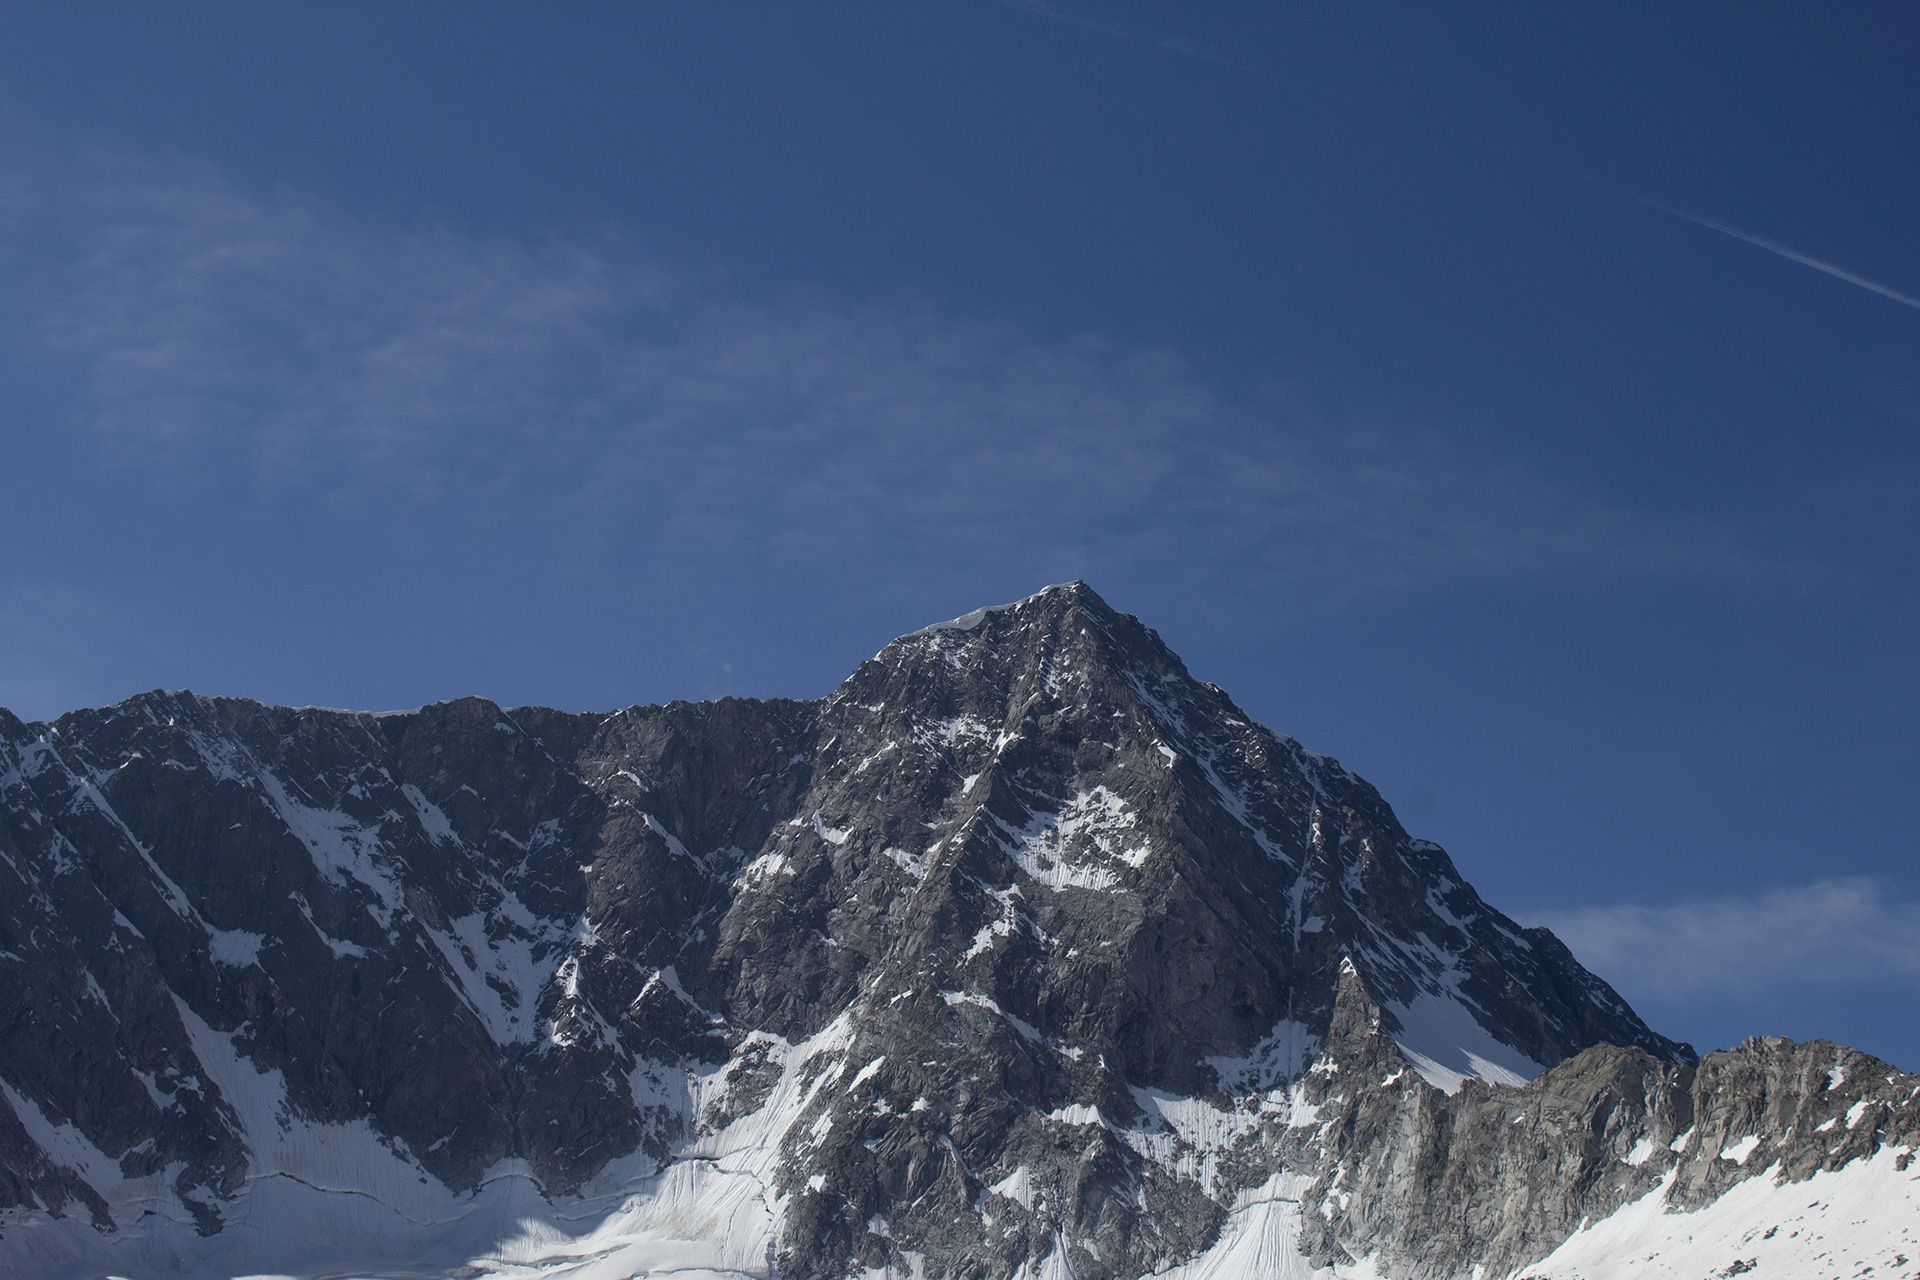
1853,930
578,385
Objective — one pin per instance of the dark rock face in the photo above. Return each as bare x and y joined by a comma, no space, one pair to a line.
972,925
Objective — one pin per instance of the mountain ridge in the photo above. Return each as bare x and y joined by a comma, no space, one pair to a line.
1020,926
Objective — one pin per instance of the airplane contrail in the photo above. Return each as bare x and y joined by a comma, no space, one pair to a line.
1192,49
1753,238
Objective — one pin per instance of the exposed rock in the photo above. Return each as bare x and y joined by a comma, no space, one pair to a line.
1022,948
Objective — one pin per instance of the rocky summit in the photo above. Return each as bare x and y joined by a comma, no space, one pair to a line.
1022,953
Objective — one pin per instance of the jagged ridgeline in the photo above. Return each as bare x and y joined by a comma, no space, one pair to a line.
1023,953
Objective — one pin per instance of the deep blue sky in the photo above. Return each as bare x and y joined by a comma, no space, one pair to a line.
368,355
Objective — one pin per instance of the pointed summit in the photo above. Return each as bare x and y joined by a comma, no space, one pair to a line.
1023,928
1055,630
1049,601
1061,749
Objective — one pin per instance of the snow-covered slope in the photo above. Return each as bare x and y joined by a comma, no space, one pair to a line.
1862,1219
1023,952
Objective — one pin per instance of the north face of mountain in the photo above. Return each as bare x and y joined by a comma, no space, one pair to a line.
1023,951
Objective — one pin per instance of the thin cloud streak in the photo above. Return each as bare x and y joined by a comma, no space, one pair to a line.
1854,930
1174,44
1741,234
1757,240
274,349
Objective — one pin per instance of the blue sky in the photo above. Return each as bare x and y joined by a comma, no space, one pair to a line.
367,356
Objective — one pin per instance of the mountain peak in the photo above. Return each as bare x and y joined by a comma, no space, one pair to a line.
1022,928
1051,600
1061,626
1065,754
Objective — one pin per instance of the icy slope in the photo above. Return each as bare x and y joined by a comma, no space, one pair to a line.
1694,1204
1862,1219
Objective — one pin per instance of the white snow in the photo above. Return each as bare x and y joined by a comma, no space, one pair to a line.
1443,1042
1069,847
1834,1224
674,846
235,948
1026,1029
766,866
66,1146
1077,1113
1001,927
1279,1055
1188,1137
336,1200
1017,1187
505,1005
432,820
342,848
339,947
955,731
968,621
1260,1241
1739,1151
287,1145
866,1073
914,864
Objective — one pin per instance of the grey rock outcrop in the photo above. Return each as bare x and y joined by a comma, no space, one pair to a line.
995,920
1432,1185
